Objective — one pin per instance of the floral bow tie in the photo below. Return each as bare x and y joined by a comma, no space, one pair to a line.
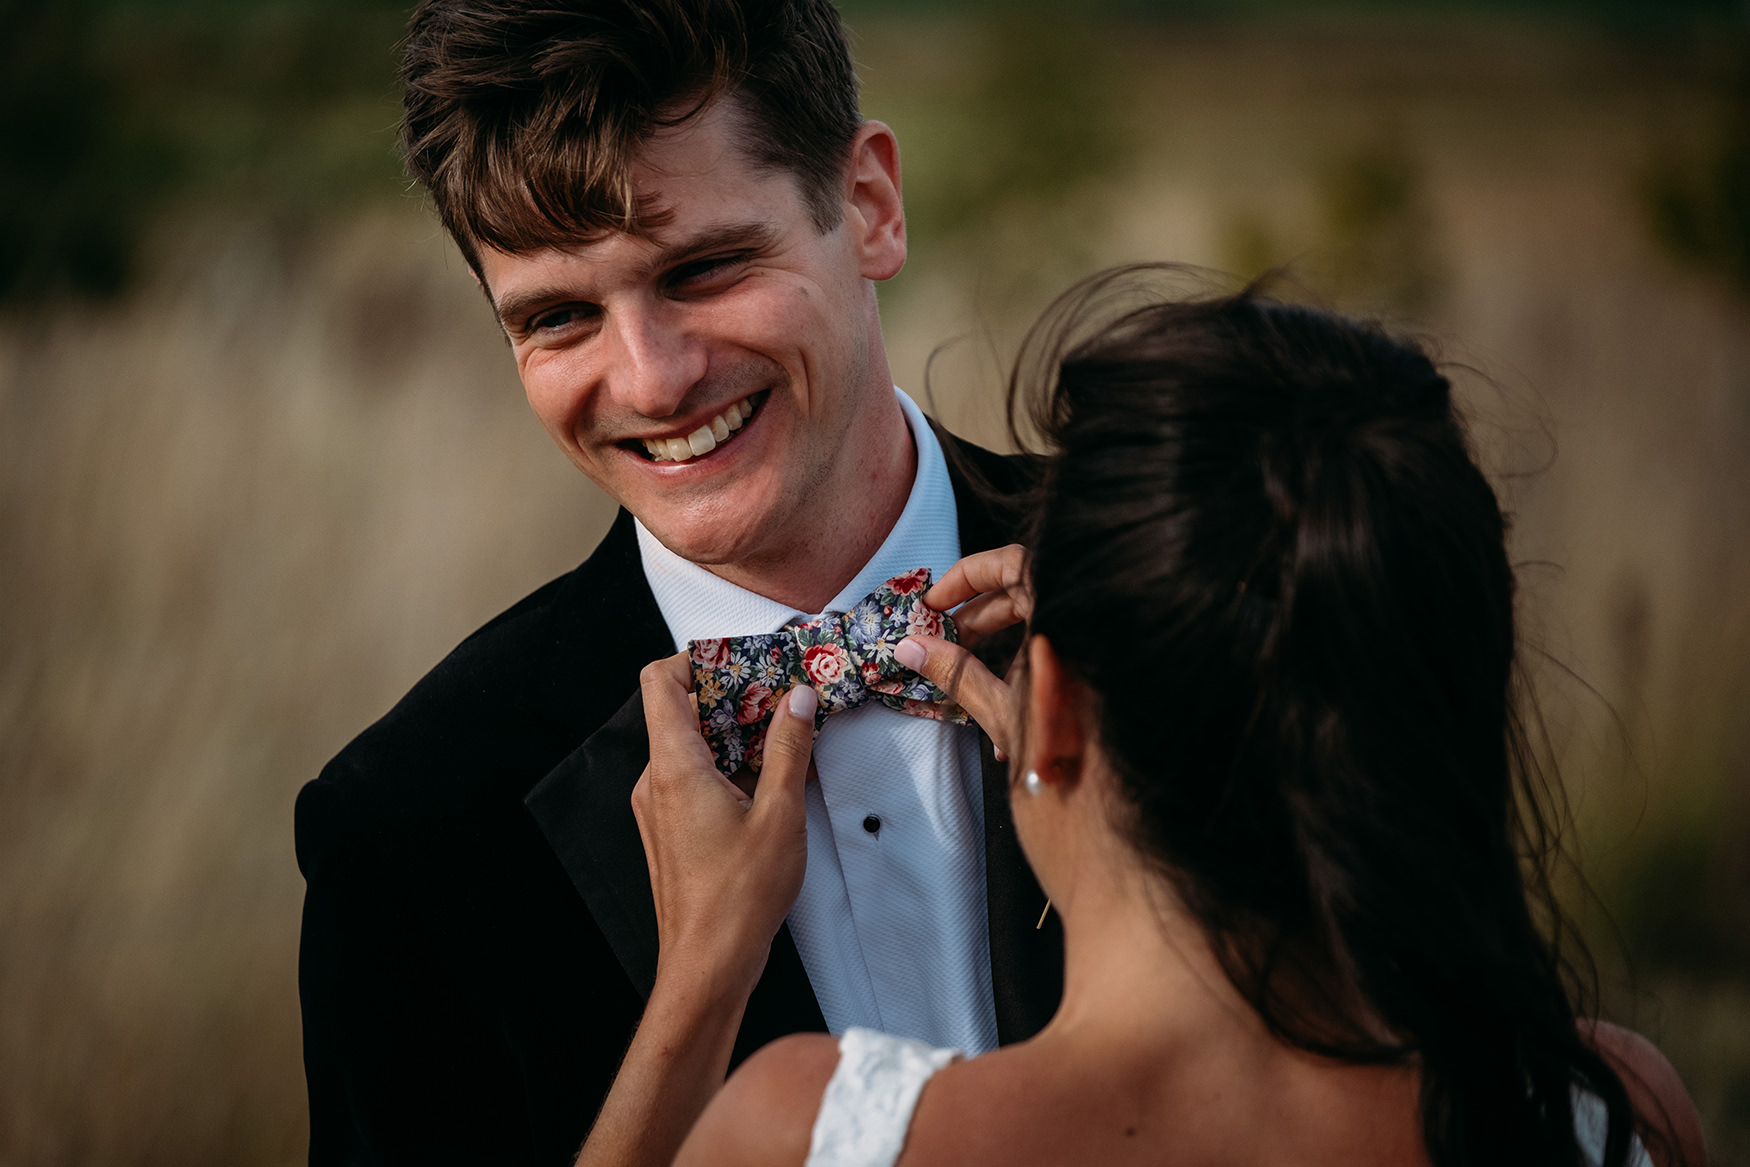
848,658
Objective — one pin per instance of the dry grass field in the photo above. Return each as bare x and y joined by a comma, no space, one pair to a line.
244,505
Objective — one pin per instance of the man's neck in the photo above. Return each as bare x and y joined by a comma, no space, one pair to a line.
871,490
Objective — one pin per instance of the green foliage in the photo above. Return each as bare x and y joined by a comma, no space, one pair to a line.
1380,228
1638,13
1373,242
1030,126
1682,899
79,182
1006,158
112,113
1699,206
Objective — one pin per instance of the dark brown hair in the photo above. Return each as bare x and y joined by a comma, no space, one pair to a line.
523,119
1311,704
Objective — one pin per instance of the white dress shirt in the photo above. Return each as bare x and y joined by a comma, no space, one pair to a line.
891,922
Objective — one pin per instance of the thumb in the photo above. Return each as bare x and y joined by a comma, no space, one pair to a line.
789,746
962,676
670,715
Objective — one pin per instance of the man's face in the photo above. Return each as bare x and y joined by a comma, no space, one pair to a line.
711,378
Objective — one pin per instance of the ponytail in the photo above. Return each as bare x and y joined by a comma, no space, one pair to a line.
1310,708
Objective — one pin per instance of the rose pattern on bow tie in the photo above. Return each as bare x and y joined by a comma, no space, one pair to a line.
847,658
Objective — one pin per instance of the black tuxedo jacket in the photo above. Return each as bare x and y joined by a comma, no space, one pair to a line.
479,933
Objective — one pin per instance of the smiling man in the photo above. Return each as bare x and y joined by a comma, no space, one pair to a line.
720,371
679,218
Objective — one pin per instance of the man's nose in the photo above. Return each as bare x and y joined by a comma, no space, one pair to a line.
656,359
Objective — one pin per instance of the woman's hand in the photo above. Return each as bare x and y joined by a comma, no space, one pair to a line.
724,869
989,592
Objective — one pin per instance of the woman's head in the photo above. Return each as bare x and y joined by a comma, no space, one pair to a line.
1264,550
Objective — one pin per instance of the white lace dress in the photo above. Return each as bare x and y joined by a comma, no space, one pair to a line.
867,1107
868,1104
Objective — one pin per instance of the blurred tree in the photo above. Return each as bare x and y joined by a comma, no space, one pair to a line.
1380,228
1012,153
114,112
1372,242
1699,205
79,183
1249,246
1683,899
1639,13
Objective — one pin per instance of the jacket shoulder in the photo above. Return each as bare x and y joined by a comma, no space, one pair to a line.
991,491
497,713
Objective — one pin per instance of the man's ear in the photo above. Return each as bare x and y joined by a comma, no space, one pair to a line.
874,211
1056,739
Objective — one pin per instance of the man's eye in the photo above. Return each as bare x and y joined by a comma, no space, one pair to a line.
704,270
557,319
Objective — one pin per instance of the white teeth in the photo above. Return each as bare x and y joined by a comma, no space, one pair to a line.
702,440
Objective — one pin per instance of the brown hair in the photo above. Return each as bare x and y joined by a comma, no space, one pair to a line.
1313,713
523,119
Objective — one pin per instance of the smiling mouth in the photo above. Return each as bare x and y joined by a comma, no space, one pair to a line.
714,433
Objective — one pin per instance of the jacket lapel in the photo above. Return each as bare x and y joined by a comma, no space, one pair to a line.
584,807
1026,940
1026,943
612,628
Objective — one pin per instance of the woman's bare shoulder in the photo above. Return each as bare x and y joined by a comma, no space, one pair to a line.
765,1112
1656,1092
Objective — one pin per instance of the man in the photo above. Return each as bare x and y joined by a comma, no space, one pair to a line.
679,218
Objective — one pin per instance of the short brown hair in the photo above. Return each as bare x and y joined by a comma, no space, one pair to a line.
523,118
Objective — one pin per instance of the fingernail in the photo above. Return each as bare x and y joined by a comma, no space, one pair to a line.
910,653
803,701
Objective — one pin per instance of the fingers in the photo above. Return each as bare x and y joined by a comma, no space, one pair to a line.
1002,570
989,590
668,705
985,614
788,751
676,746
963,677
641,798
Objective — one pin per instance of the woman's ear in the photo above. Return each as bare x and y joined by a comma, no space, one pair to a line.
1056,739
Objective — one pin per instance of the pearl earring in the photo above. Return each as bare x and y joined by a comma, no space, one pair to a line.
1033,782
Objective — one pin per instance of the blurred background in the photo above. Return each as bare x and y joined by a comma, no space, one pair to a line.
264,458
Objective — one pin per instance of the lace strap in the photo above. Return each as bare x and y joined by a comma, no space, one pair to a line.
867,1107
1592,1126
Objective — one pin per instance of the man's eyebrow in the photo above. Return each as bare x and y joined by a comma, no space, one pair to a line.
519,304
755,236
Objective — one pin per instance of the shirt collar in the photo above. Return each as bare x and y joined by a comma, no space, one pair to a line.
696,604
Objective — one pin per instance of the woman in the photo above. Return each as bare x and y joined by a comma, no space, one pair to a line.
1267,767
